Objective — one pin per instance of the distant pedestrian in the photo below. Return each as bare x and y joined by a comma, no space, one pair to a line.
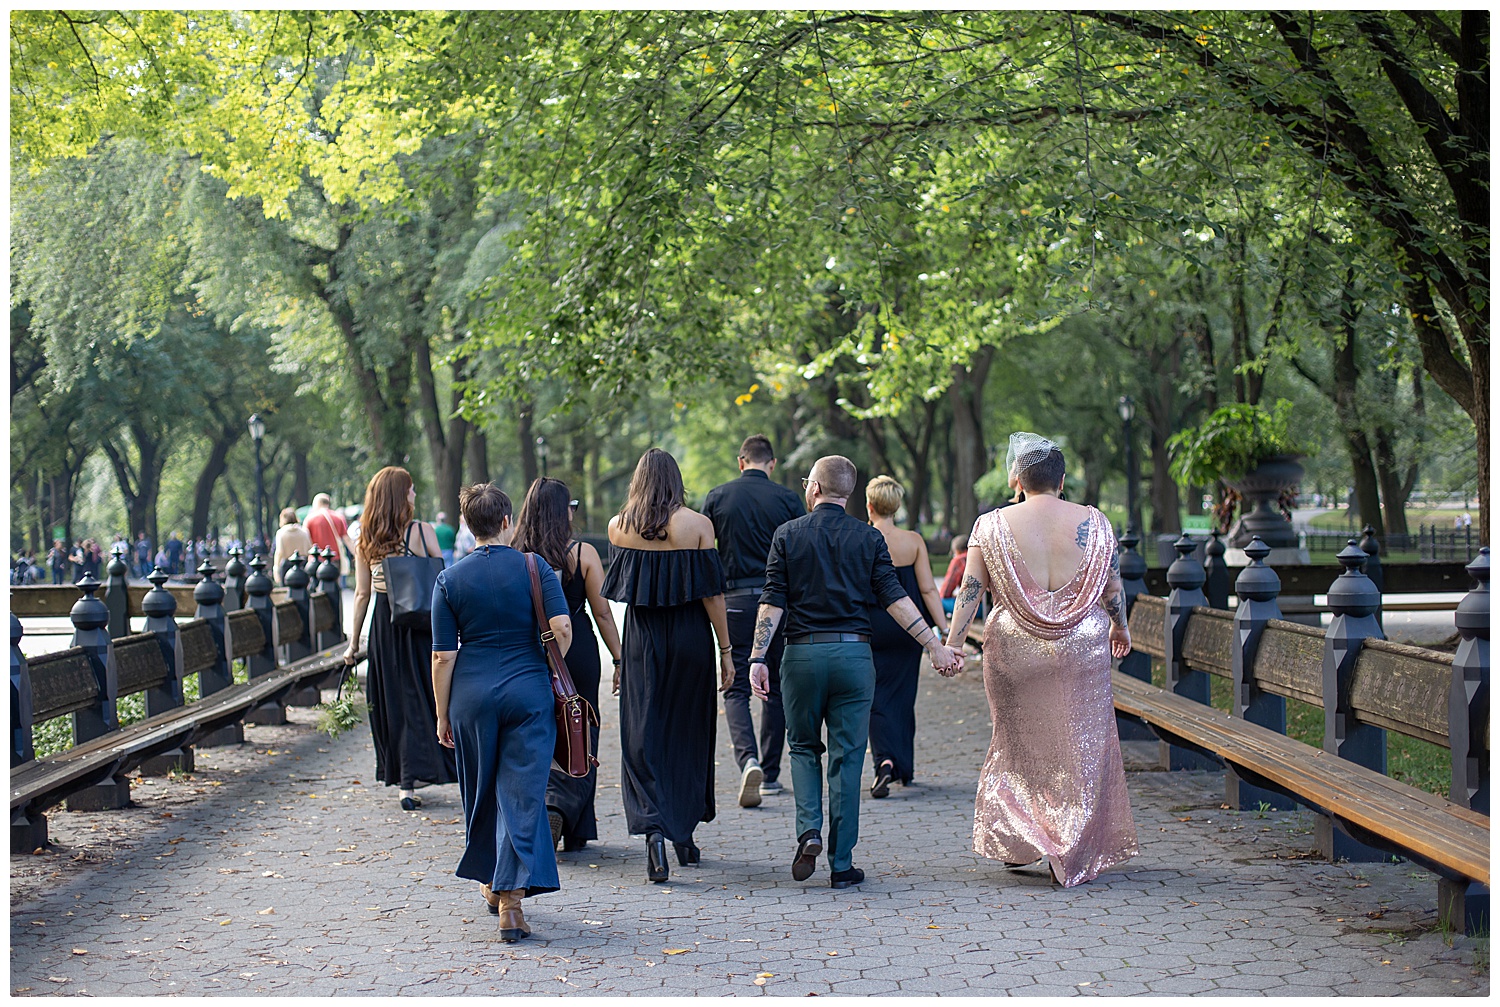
493,705
329,530
142,555
174,554
399,681
57,559
291,538
958,552
463,542
446,533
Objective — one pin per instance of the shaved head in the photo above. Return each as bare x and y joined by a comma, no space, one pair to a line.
836,475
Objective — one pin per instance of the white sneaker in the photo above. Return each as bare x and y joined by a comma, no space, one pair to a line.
771,787
750,781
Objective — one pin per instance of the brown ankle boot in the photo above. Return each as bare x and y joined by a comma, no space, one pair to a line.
512,924
491,897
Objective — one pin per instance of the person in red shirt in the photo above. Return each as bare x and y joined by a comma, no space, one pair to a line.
955,574
329,530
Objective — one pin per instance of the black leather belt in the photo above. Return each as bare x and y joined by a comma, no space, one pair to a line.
742,592
744,584
793,641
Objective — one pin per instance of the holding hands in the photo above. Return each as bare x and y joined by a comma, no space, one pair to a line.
946,661
760,680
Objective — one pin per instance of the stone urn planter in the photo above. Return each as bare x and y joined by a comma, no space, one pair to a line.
1259,490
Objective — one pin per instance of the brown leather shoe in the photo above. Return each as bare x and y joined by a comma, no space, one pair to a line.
512,925
491,898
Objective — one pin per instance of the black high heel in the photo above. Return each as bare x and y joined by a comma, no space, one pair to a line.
687,853
883,777
656,858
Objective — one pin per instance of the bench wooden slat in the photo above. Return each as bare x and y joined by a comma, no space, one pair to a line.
139,663
322,613
1432,829
1289,661
288,621
198,651
246,633
1148,622
1404,689
1208,640
61,683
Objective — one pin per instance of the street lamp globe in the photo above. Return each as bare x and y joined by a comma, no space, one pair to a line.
1127,408
257,428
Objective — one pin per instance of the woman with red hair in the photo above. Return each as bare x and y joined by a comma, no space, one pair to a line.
399,683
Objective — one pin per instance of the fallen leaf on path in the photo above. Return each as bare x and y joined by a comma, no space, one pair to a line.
225,923
760,982
768,975
58,979
80,951
675,951
268,911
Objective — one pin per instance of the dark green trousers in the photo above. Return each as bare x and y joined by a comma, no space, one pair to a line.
828,684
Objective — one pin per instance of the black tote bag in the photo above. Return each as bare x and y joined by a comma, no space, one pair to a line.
408,585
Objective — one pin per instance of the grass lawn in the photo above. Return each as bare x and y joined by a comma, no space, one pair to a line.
1440,518
1418,763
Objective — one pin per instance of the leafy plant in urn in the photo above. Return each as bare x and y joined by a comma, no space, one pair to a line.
1251,453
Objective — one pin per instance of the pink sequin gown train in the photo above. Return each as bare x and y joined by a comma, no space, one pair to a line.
1053,783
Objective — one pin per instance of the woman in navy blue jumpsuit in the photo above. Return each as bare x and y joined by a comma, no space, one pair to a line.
494,707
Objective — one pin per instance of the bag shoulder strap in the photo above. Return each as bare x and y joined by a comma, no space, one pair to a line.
562,681
406,538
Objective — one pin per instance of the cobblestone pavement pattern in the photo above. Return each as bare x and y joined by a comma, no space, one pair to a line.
276,868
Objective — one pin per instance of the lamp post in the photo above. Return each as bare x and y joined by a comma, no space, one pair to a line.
541,453
258,434
1132,514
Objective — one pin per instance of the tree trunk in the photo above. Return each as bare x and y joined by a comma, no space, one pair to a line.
477,459
1346,406
1165,502
1391,496
203,491
446,448
945,464
970,460
527,444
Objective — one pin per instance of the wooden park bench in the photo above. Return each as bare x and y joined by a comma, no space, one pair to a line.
1366,687
291,649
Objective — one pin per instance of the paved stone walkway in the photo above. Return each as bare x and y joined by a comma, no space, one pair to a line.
277,869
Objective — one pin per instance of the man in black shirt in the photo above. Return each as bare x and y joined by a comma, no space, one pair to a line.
746,513
822,572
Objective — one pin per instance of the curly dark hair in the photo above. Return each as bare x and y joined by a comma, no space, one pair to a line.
545,525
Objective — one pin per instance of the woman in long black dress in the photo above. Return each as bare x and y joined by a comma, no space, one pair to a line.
399,682
545,527
664,566
898,658
494,705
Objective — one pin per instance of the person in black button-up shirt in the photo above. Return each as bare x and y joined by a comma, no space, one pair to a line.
746,513
822,572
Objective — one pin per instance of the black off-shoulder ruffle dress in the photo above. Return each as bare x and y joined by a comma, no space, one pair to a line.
668,687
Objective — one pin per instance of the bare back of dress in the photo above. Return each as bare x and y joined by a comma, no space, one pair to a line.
1053,783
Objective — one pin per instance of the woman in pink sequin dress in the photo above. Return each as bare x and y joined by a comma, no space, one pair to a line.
1052,792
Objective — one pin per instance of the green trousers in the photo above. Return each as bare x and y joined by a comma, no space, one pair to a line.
832,684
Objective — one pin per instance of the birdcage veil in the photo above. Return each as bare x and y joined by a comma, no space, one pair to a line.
1026,449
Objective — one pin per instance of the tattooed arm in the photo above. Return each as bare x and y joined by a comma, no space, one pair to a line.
1113,602
767,618
976,581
